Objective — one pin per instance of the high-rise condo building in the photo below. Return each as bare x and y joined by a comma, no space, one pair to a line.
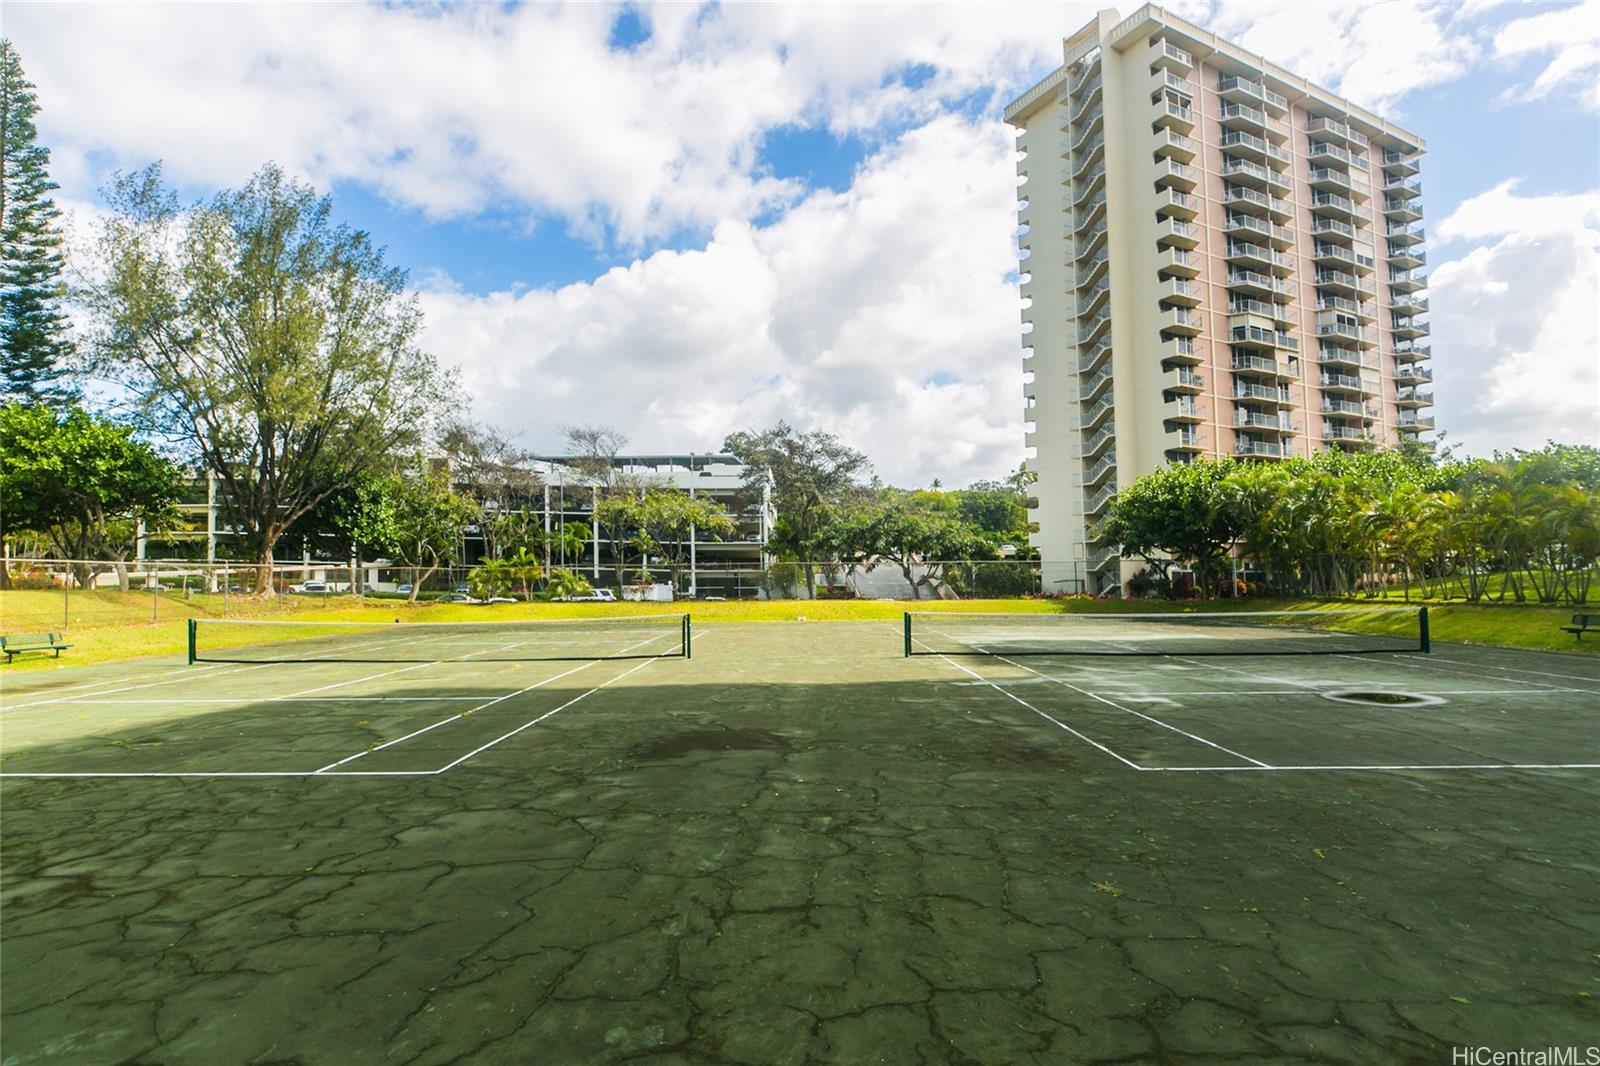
1220,259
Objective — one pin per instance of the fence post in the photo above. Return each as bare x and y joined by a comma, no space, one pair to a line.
906,630
1422,619
192,627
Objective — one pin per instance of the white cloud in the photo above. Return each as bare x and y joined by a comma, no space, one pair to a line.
1572,38
460,109
1354,48
882,314
1515,322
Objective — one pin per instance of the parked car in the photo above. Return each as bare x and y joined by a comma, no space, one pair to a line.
503,599
310,586
402,590
592,596
457,597
463,587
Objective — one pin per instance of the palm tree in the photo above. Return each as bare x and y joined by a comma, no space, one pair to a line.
524,566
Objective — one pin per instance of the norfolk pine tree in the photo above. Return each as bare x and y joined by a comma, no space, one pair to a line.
34,343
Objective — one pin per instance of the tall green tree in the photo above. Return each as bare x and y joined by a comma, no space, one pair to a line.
912,531
35,345
813,477
414,516
274,344
661,521
83,481
1177,514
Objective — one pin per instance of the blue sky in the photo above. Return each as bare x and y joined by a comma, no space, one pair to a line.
689,220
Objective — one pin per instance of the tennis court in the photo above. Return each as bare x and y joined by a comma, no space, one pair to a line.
526,843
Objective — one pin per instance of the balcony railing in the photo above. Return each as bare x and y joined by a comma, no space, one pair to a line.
1256,420
1258,365
1246,391
1333,225
1258,447
1257,335
1254,279
1335,128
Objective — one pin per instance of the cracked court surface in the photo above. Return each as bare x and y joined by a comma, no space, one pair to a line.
798,846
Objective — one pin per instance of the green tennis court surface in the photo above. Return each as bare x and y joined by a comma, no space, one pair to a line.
799,845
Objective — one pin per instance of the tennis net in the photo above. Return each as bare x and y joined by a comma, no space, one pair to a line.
258,641
1321,632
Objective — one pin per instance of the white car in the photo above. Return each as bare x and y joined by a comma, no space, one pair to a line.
592,596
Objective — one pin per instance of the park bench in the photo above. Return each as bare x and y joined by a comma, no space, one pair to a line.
21,642
1581,624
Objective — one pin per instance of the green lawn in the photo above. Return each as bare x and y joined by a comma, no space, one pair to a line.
104,626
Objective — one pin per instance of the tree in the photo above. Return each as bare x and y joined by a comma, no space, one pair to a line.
812,476
495,474
83,481
413,516
564,584
592,451
35,347
1177,514
661,522
904,529
272,344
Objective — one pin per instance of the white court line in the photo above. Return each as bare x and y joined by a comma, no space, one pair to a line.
326,771
542,717
91,701
1018,699
1193,693
1128,710
455,717
498,699
1513,669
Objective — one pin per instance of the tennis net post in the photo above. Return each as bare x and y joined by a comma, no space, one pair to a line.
687,636
907,632
1422,626
193,625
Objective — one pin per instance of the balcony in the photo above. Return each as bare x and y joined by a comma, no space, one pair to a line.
1172,174
1173,145
1182,379
1333,227
1248,145
1177,204
1341,358
1245,418
1410,328
1404,164
1257,284
1332,154
1182,321
1243,225
1087,98
1339,432
1402,234
1403,188
1186,439
1256,255
1089,243
1329,180
1351,408
1343,383
1400,209
1183,409
1250,119
1332,205
1087,185
1334,130
1258,449
1412,352
1414,422
1181,350
1347,331
1412,374
1342,283
1168,56
1257,337
1409,305
1180,291
1407,258
1174,115
1177,233
1246,199
1244,390
1088,273
1280,314
1239,90
1412,398
1092,213
1407,281
1178,261
1241,363
1349,307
